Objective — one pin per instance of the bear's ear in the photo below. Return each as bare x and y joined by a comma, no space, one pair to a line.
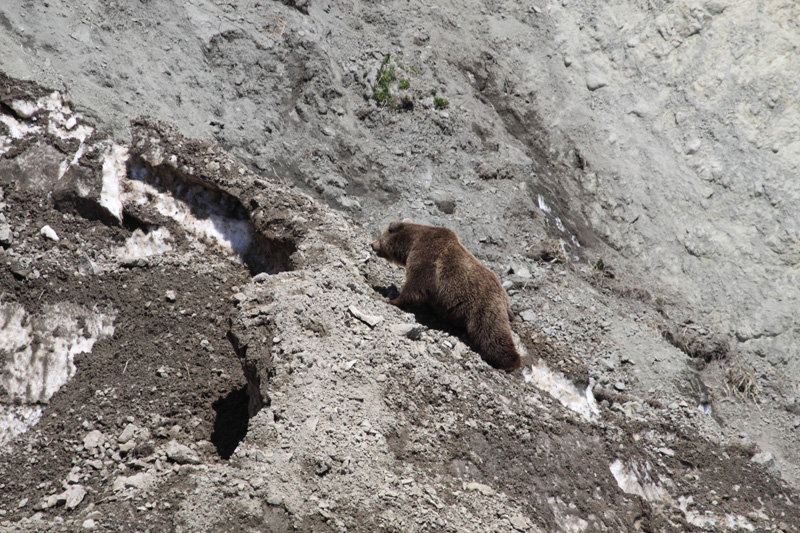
394,227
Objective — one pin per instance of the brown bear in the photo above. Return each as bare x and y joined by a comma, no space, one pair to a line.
442,273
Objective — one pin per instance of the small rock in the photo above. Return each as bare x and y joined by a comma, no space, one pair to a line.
127,434
274,499
521,271
86,267
170,296
764,458
74,476
97,464
139,481
51,501
92,439
793,405
181,454
125,447
693,146
50,233
370,320
519,522
411,331
6,235
595,81
444,202
486,490
88,524
620,386
528,315
239,298
75,496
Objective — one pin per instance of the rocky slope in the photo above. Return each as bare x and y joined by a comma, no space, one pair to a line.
624,169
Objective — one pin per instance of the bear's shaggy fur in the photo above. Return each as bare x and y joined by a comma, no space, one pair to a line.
442,273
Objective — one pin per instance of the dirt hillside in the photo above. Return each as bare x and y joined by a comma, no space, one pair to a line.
196,333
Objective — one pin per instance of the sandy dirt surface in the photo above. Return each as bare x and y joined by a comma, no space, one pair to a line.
197,335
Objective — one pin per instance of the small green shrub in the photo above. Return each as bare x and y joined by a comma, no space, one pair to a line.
440,103
404,84
387,74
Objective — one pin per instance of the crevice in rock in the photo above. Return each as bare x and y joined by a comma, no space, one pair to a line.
230,424
696,341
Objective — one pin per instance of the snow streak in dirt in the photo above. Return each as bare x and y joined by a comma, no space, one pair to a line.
562,389
38,353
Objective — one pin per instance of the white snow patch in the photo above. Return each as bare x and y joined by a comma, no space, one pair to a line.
565,517
16,419
141,244
25,108
707,519
562,389
17,129
113,168
635,480
61,122
197,209
39,350
542,205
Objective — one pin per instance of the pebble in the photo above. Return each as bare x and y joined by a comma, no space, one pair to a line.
595,81
92,439
6,235
486,490
140,481
239,297
528,315
764,458
74,496
97,464
127,434
666,451
401,329
519,522
170,296
521,271
88,524
50,233
181,454
370,320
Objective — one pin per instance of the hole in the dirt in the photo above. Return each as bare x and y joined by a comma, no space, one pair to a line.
209,214
230,424
131,222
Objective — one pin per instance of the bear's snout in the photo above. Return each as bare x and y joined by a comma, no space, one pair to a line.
376,246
